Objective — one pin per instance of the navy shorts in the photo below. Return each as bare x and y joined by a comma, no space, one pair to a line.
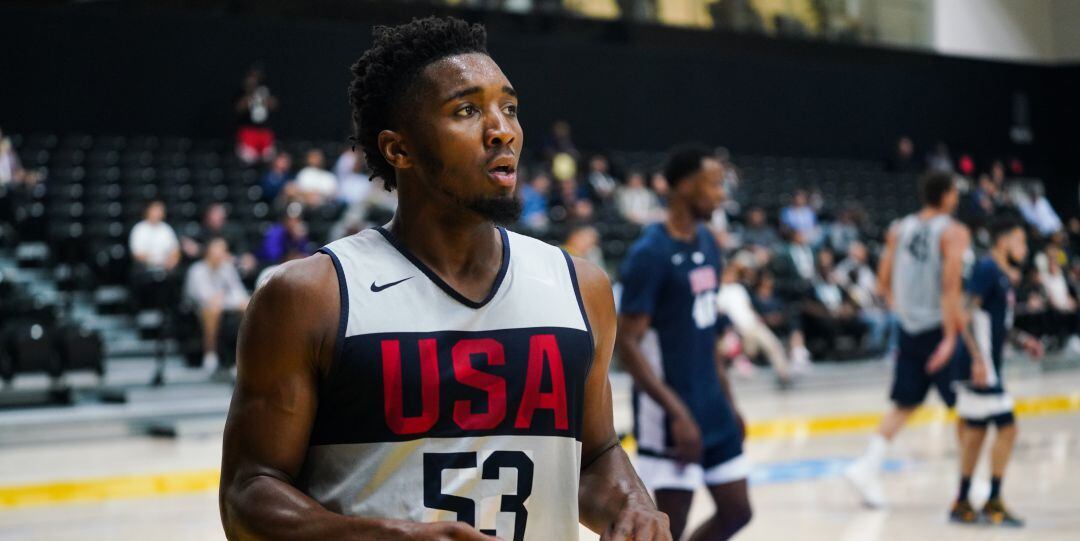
910,380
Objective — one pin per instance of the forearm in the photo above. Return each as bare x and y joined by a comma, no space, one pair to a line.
725,383
608,485
264,507
633,361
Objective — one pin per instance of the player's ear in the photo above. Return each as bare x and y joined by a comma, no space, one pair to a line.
392,147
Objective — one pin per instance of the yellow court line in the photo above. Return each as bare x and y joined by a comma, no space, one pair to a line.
188,482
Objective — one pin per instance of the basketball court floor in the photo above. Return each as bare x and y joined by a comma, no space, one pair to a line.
128,487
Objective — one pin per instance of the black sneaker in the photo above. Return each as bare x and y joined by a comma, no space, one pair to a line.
995,513
963,513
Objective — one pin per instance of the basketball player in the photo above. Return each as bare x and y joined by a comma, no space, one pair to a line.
688,431
921,277
439,378
983,401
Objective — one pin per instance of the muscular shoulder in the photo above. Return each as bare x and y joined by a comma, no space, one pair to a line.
596,292
956,233
300,300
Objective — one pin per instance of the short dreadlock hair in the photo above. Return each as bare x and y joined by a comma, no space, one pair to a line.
384,74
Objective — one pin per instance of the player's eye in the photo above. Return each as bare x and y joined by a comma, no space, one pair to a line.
466,111
510,109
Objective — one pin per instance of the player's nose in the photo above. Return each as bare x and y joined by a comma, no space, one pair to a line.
498,131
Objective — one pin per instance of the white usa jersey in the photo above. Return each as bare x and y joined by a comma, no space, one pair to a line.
442,408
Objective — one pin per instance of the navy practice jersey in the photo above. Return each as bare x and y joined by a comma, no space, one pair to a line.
992,321
442,408
675,283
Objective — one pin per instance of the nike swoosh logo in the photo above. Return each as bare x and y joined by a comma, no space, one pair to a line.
377,288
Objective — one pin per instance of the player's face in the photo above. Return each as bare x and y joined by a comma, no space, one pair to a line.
707,187
951,199
467,135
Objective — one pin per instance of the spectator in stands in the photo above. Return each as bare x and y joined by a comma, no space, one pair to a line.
11,170
534,202
978,205
659,185
940,159
314,184
636,203
286,239
354,185
793,266
1062,314
757,232
801,217
253,105
734,301
1038,212
783,320
903,158
276,180
214,285
731,180
844,231
599,181
584,241
830,314
858,280
216,224
570,202
560,141
153,242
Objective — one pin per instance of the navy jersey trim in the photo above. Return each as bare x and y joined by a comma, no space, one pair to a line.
403,250
581,306
343,290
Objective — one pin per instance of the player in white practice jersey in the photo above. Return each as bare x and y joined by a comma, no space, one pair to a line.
438,378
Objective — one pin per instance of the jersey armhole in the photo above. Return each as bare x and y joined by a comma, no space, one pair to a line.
581,307
343,291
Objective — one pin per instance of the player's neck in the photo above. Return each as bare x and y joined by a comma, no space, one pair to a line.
453,243
931,212
680,223
1001,258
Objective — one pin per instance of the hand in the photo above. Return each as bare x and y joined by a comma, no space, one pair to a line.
639,522
434,531
1033,347
978,371
942,354
687,436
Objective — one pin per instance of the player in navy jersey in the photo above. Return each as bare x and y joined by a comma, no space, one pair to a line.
439,378
981,398
688,431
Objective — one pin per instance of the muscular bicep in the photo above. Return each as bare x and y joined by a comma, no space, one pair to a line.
280,350
598,431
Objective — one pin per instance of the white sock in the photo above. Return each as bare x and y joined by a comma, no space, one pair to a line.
875,451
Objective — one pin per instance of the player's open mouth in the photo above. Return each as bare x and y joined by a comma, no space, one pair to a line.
503,174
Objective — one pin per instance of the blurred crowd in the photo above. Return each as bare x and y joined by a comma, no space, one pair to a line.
799,282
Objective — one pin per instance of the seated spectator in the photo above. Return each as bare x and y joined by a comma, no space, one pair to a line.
844,231
940,159
213,285
253,105
636,203
534,202
286,239
354,184
1038,212
314,184
800,216
1061,314
830,314
216,224
11,170
781,319
559,141
757,233
570,202
599,182
584,241
859,282
153,242
277,178
734,301
793,267
659,185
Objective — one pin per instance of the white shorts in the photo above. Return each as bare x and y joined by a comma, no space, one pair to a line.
666,473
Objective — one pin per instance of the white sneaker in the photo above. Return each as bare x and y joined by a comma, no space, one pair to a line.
865,480
800,360
210,361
